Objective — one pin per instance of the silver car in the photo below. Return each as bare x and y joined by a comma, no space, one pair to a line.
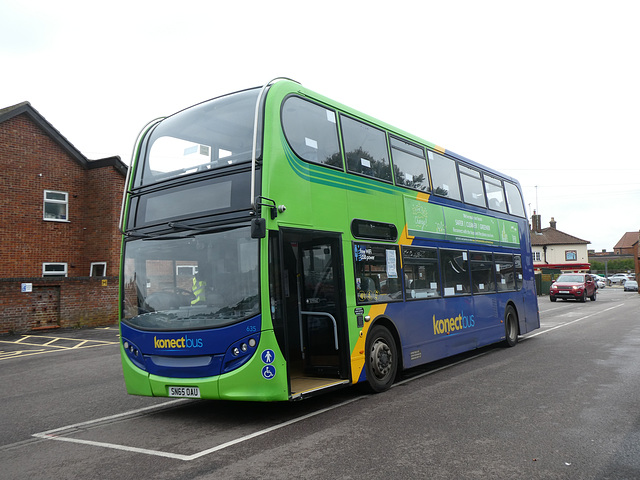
618,278
630,286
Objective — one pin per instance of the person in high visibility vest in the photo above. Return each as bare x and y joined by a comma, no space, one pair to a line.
198,290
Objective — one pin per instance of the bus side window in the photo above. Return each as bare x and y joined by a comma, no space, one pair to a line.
377,273
517,260
444,176
472,186
421,272
311,131
505,272
482,275
409,165
514,199
455,272
495,193
365,149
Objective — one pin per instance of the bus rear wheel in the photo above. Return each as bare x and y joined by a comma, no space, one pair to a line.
510,326
381,361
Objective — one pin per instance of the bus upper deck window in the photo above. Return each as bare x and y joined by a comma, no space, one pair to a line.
444,176
472,186
514,199
495,193
409,165
311,131
365,149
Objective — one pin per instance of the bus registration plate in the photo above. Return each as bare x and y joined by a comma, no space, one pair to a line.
185,392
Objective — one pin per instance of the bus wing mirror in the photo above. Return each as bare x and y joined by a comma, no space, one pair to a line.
258,228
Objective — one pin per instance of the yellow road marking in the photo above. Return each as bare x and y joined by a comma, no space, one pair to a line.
21,353
51,347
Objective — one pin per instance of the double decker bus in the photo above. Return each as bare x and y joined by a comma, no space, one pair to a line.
278,244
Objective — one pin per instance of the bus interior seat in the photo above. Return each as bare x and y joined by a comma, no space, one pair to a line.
368,284
393,285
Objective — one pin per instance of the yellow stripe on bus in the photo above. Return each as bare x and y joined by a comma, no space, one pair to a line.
358,355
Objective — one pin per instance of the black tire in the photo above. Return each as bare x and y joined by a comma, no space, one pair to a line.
593,297
510,326
583,298
381,360
553,299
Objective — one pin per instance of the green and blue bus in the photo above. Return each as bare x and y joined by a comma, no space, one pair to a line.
278,244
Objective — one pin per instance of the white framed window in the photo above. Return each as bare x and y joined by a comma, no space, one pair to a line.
56,206
98,269
536,256
54,269
186,270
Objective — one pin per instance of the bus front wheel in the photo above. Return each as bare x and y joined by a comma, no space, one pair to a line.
382,359
510,326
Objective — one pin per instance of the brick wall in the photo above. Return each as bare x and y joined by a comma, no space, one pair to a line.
102,237
33,160
56,302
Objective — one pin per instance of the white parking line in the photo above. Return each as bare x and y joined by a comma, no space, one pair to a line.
54,434
572,321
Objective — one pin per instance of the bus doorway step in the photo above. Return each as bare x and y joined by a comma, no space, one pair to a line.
306,386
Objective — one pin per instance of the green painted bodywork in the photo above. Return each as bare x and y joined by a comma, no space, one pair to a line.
245,383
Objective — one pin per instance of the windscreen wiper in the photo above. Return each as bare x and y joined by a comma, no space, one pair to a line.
194,228
148,236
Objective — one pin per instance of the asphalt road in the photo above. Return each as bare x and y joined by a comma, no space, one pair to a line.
564,403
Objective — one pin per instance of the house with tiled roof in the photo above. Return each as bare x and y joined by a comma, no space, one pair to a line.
554,249
626,244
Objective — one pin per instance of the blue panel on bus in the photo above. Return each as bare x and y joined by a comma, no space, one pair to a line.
442,327
197,353
183,367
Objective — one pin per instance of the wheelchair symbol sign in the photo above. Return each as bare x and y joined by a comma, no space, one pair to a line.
268,372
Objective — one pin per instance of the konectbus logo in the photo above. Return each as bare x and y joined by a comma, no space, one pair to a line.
177,343
453,324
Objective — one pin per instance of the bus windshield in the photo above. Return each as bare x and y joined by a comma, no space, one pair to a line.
200,281
207,136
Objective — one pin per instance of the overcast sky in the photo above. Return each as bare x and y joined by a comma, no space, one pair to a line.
547,92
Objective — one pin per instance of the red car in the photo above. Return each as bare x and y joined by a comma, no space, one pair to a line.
578,286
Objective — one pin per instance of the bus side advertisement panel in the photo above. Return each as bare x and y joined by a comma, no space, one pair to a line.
438,222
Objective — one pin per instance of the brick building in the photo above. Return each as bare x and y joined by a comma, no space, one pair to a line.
60,242
626,244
